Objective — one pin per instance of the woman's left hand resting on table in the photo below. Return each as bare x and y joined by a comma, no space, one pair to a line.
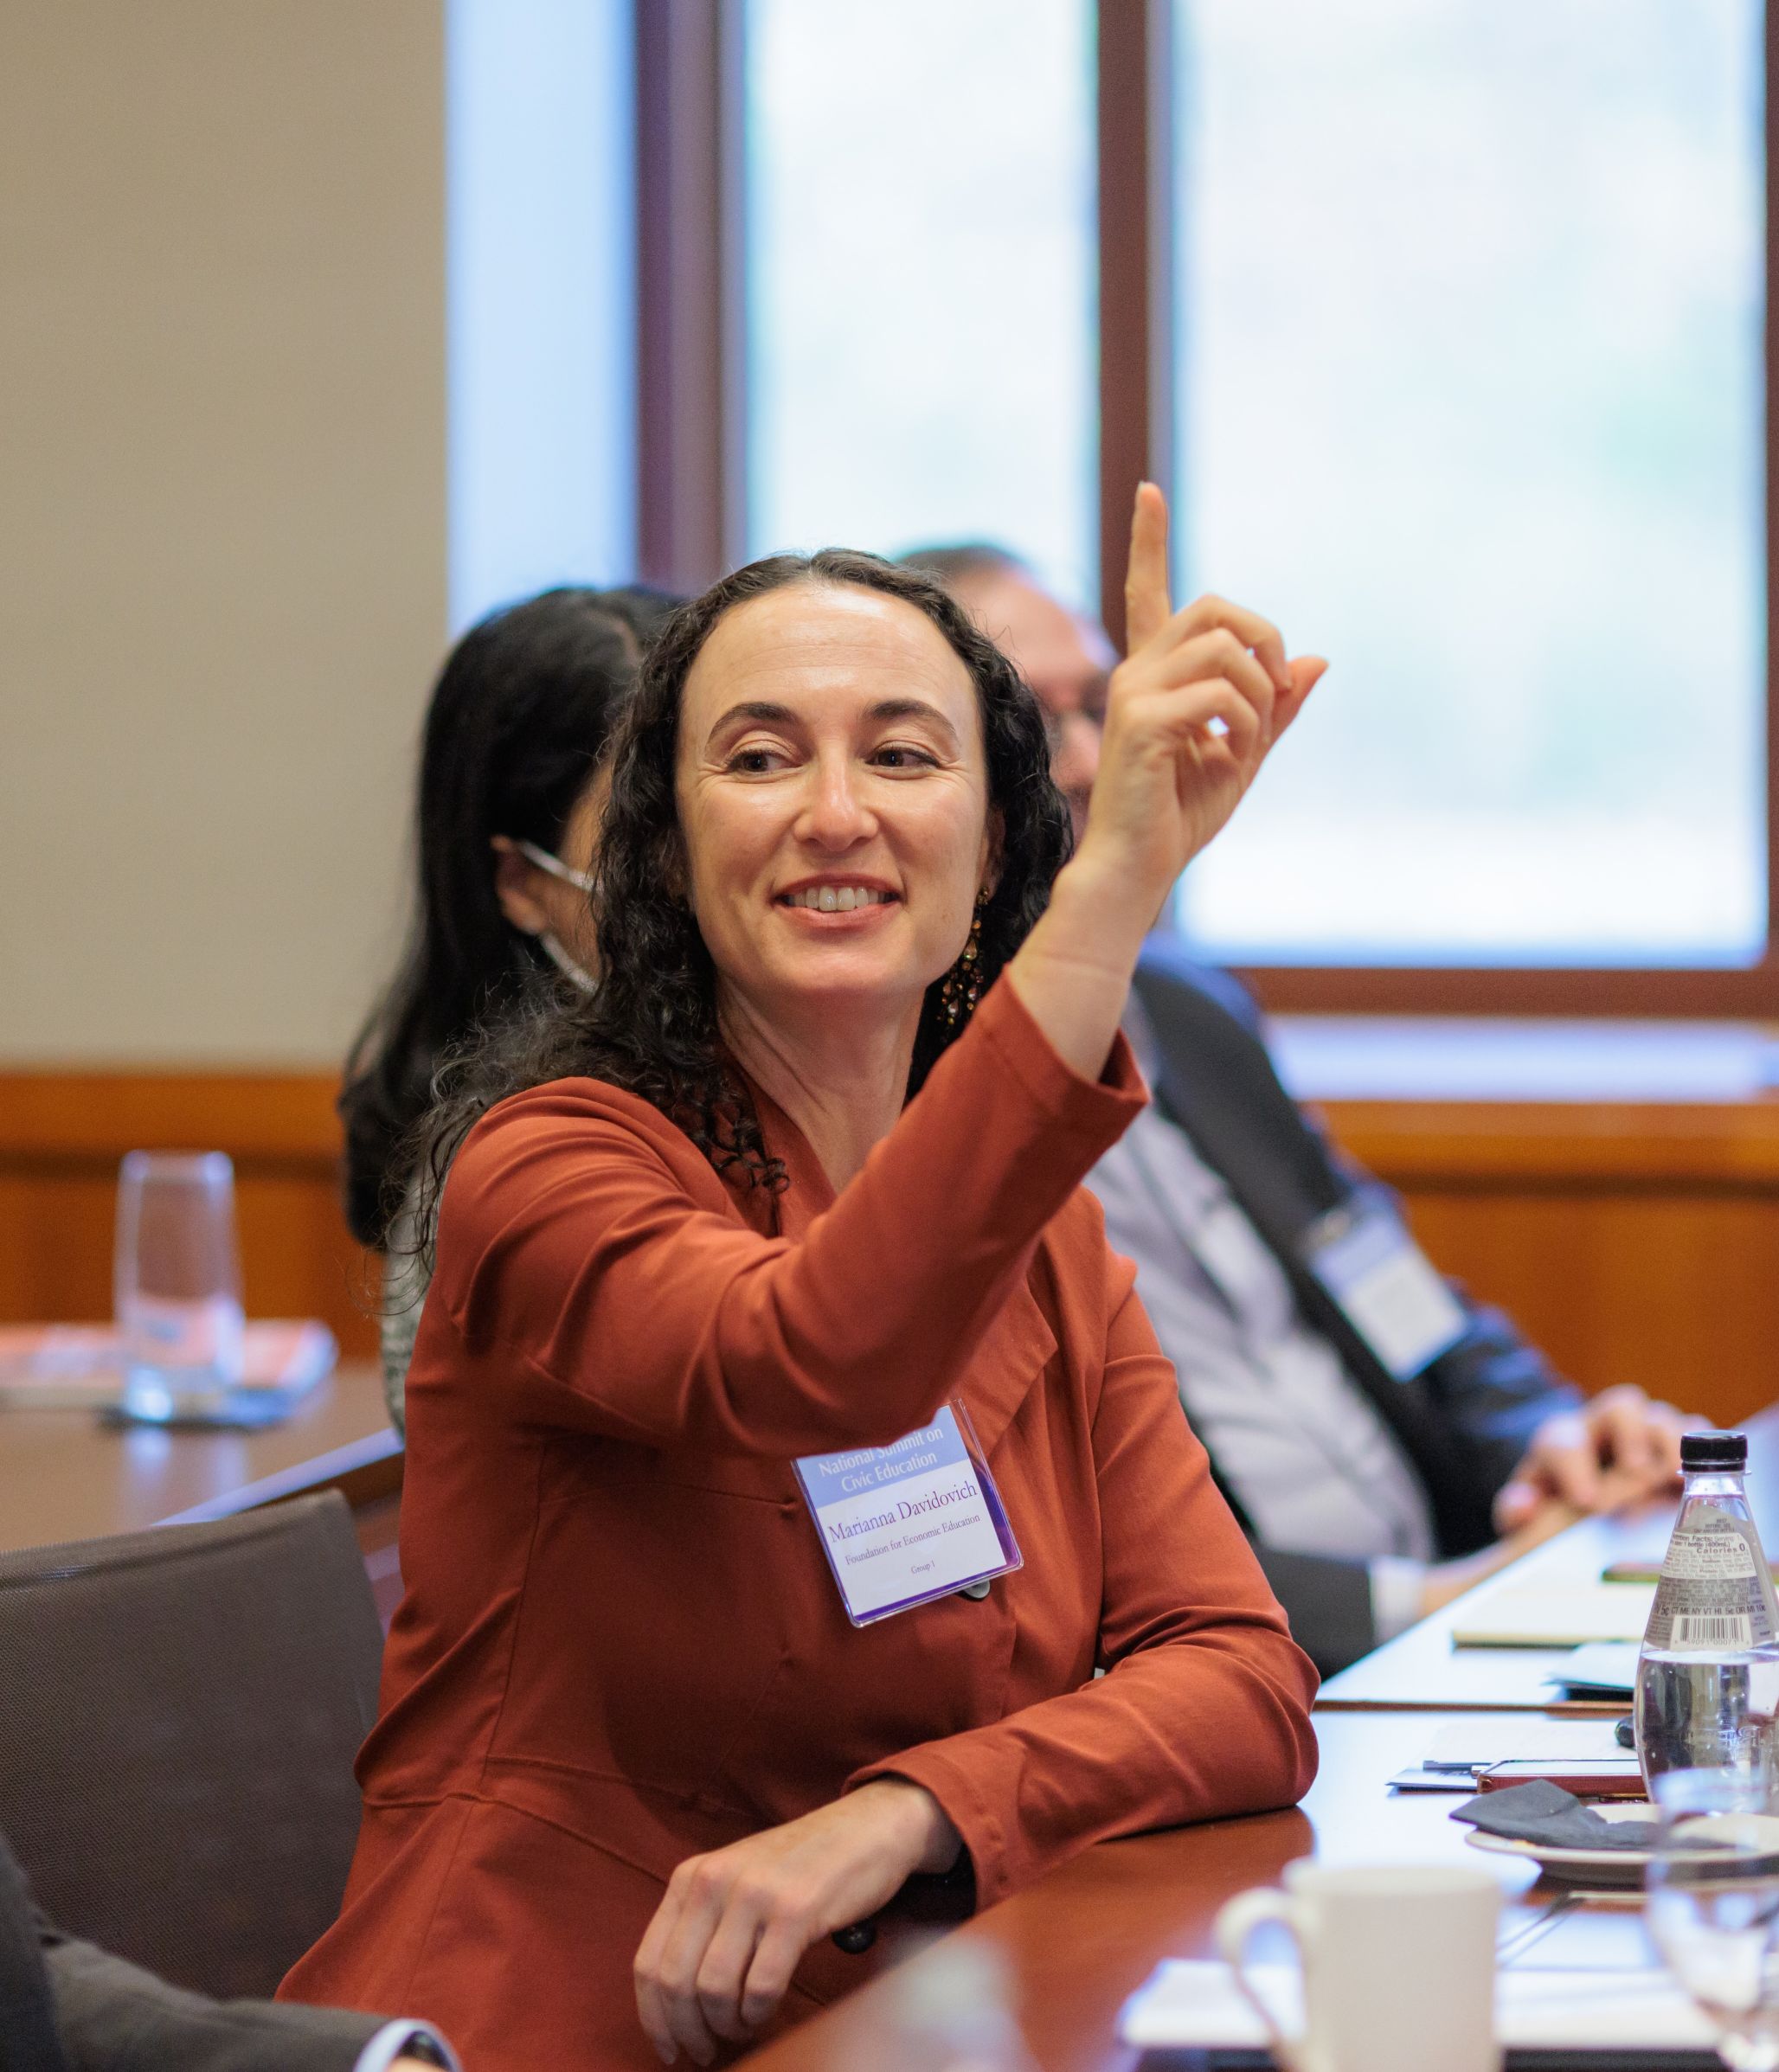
734,1925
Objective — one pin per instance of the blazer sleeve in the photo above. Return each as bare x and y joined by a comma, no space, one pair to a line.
1493,1389
1204,1707
114,2018
632,1302
1327,1601
29,2041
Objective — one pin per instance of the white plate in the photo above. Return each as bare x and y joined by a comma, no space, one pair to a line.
1580,1866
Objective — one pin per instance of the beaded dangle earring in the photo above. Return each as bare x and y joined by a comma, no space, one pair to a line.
963,983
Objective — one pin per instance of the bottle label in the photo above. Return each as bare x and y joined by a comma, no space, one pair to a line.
1710,1595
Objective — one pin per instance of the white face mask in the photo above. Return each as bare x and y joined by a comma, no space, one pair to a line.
578,977
580,880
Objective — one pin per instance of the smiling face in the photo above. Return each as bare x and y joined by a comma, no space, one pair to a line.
832,795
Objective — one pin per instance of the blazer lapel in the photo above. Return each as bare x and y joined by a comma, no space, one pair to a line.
1014,1352
1215,1078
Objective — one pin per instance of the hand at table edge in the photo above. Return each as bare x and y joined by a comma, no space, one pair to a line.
718,1956
1618,1447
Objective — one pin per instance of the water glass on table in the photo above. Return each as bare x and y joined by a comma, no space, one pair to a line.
1712,1904
176,1280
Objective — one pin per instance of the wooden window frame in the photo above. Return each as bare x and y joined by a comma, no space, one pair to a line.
692,377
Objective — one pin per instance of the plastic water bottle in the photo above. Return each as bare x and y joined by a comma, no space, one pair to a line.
1708,1674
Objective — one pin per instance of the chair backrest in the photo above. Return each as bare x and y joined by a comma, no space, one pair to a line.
179,1713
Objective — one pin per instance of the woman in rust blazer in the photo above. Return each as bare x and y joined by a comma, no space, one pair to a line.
635,1766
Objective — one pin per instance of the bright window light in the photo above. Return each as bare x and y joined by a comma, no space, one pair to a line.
921,278
1469,306
540,146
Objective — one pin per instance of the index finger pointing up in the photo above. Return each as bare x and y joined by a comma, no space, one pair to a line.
1146,606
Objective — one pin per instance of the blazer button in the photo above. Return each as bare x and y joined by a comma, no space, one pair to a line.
977,1590
856,1940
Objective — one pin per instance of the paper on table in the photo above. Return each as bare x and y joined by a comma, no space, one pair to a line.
1521,1737
81,1366
1188,2005
1456,1754
1602,1670
1607,1666
1528,1617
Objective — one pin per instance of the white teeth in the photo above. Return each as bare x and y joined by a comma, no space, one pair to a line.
837,899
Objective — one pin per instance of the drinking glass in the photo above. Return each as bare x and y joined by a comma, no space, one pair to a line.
176,1280
1712,1905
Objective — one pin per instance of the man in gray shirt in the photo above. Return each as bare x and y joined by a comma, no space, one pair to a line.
1385,1442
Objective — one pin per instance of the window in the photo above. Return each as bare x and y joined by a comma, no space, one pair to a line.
541,327
1468,391
920,278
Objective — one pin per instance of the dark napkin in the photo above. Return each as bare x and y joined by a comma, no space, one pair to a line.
1554,1818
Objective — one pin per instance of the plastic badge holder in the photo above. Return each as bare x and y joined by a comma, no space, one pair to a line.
949,1442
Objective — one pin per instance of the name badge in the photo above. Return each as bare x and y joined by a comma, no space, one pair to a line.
901,1524
1393,1299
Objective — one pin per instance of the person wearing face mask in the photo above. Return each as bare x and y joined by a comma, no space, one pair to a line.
1378,1476
505,819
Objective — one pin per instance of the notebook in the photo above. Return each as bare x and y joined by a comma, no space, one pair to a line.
1554,1616
1456,1755
1602,1670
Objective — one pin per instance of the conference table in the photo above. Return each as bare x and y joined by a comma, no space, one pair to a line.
1078,1942
65,1475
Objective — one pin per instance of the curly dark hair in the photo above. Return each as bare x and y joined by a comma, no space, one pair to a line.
651,1026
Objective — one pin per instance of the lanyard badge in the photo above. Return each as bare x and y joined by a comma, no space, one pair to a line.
1366,1259
904,1524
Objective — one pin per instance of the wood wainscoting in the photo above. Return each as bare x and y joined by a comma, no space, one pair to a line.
1633,1241
62,1135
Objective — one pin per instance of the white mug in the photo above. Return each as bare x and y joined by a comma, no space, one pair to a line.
1398,1965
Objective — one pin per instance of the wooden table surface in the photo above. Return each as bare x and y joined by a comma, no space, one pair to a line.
64,1476
1422,1668
1080,1942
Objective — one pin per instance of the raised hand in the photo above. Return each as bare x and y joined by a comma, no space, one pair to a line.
1191,712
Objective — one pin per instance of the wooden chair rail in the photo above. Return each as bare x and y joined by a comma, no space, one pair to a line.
1632,1240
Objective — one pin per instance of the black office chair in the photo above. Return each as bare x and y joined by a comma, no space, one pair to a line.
179,1711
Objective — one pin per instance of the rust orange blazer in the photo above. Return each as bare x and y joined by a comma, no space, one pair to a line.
620,1643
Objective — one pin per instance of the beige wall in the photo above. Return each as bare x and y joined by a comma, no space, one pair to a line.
221,514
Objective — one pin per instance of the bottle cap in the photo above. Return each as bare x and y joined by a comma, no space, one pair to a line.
1727,1452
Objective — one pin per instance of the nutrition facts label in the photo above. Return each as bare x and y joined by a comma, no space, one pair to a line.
1710,1594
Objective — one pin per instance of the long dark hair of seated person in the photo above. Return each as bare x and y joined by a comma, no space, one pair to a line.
519,719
